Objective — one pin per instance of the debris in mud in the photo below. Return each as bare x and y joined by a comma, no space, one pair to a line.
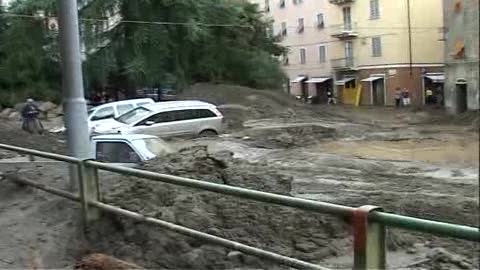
11,133
103,262
441,259
287,231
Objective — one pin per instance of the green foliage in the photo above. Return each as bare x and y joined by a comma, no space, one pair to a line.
29,62
157,54
129,56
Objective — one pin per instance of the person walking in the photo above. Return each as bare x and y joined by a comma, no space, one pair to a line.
406,97
398,97
30,113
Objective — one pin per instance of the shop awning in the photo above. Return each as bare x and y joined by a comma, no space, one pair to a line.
372,79
344,81
299,79
436,78
318,80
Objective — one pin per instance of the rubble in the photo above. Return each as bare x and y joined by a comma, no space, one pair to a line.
280,229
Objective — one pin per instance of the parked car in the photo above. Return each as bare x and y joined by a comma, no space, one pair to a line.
158,94
167,94
115,109
108,110
128,149
172,118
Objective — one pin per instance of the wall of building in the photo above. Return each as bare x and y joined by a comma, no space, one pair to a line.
462,26
309,39
391,26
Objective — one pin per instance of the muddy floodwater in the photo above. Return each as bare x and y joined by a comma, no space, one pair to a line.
403,161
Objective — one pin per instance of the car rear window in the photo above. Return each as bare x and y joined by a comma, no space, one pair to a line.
124,108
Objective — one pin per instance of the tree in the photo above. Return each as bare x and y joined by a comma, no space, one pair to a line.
29,62
238,49
206,40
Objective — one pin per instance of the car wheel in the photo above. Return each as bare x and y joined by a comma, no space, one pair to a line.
208,133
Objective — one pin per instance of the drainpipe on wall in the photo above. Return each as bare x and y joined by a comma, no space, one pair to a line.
409,38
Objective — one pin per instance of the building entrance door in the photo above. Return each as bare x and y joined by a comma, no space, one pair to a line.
378,92
461,97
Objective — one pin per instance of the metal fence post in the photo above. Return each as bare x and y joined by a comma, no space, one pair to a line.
89,191
368,240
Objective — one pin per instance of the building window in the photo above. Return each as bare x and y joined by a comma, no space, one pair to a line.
282,4
303,56
301,25
320,21
297,2
376,46
267,5
283,29
322,53
374,9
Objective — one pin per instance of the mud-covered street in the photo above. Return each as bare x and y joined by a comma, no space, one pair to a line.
417,163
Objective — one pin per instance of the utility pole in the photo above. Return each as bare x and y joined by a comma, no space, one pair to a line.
74,104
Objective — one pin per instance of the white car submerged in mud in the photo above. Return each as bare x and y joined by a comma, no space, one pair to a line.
128,149
164,119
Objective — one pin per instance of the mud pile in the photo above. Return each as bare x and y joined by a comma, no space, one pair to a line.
239,103
287,135
12,133
287,231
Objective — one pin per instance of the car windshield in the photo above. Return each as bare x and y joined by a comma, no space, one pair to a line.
132,116
155,146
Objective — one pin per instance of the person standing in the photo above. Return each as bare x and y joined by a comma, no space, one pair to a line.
406,97
429,97
331,99
398,97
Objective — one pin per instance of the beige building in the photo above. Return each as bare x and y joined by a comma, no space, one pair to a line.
361,49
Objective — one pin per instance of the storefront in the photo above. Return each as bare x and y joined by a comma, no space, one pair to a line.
318,88
433,92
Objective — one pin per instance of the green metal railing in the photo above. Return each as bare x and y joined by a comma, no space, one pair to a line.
368,222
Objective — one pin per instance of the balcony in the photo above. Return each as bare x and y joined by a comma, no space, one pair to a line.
340,2
346,63
344,31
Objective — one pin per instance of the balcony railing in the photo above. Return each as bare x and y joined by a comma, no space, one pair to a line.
344,31
340,2
343,63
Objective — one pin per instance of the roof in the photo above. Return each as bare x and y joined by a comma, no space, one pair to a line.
436,78
129,137
318,79
298,79
372,79
177,104
126,101
344,81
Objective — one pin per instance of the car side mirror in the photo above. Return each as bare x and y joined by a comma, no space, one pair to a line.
149,123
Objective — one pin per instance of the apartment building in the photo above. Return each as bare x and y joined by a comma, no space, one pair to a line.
361,49
461,55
